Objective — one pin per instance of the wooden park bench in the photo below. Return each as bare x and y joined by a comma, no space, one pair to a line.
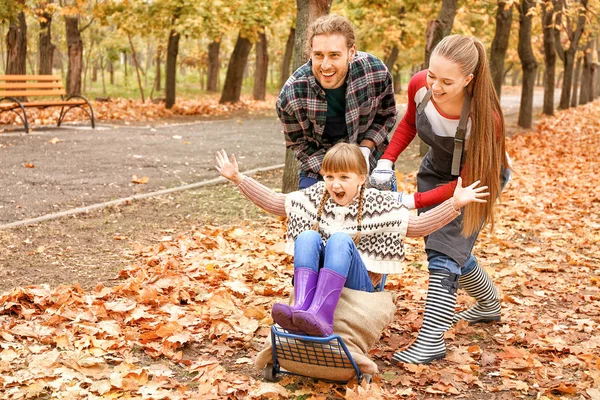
16,87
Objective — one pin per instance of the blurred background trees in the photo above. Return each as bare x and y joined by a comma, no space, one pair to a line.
162,49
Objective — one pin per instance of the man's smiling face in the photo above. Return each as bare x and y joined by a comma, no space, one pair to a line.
330,57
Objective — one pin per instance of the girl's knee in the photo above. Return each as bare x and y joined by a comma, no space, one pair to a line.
308,237
340,239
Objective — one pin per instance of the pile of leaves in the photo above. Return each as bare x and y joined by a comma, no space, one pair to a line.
128,110
193,311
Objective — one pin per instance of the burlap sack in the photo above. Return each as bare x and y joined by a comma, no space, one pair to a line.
360,318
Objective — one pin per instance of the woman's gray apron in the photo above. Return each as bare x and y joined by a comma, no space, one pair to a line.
435,170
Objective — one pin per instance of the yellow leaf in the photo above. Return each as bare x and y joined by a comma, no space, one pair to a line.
139,181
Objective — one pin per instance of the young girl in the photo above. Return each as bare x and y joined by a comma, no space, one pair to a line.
453,107
341,234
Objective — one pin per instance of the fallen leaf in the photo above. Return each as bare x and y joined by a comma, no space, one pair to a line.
139,181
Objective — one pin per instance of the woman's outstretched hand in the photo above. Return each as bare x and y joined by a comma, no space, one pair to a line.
465,195
229,169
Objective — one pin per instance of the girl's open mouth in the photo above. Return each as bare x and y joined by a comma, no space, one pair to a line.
339,195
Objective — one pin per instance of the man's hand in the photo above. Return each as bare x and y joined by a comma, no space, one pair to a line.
470,194
229,169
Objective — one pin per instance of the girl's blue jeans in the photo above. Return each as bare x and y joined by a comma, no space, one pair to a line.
340,255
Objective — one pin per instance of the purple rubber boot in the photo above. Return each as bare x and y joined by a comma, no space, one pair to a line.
318,319
305,282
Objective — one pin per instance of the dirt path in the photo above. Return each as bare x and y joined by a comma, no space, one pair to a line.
77,166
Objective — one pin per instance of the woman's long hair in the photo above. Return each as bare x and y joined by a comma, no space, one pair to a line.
344,157
485,149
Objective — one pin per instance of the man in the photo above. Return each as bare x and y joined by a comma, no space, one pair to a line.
340,95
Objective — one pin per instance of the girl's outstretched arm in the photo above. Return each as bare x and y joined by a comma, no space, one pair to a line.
262,196
229,169
432,220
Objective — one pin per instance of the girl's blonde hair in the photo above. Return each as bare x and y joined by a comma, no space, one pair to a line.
344,157
485,148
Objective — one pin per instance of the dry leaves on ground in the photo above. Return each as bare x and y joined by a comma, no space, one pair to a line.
189,317
128,110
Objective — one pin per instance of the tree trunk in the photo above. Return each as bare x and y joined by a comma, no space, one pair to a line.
75,49
435,32
137,68
392,55
549,56
102,72
213,65
158,75
16,46
45,46
61,62
568,56
514,80
95,68
2,51
439,28
88,55
575,85
125,69
586,93
148,64
506,71
397,77
232,88
500,44
111,71
307,12
171,69
391,58
262,67
528,63
287,57
31,63
597,73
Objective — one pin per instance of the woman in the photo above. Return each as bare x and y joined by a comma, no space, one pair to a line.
455,110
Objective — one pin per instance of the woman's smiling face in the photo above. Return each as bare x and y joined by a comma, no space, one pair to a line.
343,186
446,80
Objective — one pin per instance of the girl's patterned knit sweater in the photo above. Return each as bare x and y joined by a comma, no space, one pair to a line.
385,222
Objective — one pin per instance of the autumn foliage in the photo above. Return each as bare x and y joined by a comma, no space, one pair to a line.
190,314
128,110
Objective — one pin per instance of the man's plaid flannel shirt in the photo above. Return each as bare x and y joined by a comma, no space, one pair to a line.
370,111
